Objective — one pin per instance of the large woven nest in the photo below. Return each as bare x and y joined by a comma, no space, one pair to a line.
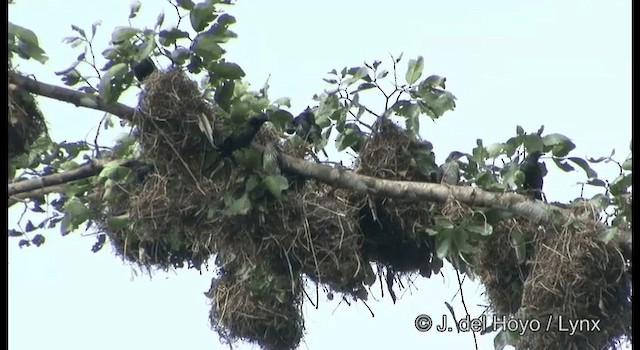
575,276
259,307
499,268
395,228
564,273
25,121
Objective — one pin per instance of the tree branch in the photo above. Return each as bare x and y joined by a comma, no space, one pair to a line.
82,172
536,212
80,99
35,193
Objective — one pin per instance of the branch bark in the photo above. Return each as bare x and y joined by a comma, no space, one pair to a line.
534,211
79,99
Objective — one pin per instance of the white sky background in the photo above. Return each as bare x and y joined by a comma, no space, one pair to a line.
562,64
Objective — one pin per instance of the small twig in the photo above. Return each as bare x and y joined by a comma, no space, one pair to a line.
464,304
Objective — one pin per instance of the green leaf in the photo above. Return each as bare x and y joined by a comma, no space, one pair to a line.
106,85
240,206
201,15
563,165
356,73
365,86
431,82
495,215
627,165
585,166
206,46
38,240
159,20
135,7
505,338
180,55
443,223
226,70
560,145
519,130
94,28
280,118
185,4
283,101
444,246
484,230
518,243
382,74
75,214
120,222
597,182
397,60
169,37
533,143
121,34
146,49
23,34
607,235
435,102
350,137
276,184
252,183
69,165
114,171
414,70
494,150
224,94
27,46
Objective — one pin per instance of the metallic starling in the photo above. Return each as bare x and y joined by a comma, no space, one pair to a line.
533,174
449,172
304,125
243,137
143,69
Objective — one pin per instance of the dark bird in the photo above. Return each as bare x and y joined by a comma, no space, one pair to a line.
449,172
143,69
140,169
305,127
534,172
242,138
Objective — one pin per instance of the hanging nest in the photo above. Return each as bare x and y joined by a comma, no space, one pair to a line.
25,121
317,234
395,228
259,307
500,270
577,277
167,218
170,109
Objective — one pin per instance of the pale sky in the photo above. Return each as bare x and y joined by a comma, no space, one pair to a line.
562,64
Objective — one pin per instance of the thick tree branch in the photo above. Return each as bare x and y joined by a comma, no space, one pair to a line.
80,99
82,172
522,206
35,193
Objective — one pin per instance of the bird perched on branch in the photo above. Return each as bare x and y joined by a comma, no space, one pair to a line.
534,172
449,172
242,138
305,127
143,69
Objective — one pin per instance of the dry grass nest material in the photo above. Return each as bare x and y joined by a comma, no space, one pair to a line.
395,228
25,121
568,273
258,306
497,266
577,276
